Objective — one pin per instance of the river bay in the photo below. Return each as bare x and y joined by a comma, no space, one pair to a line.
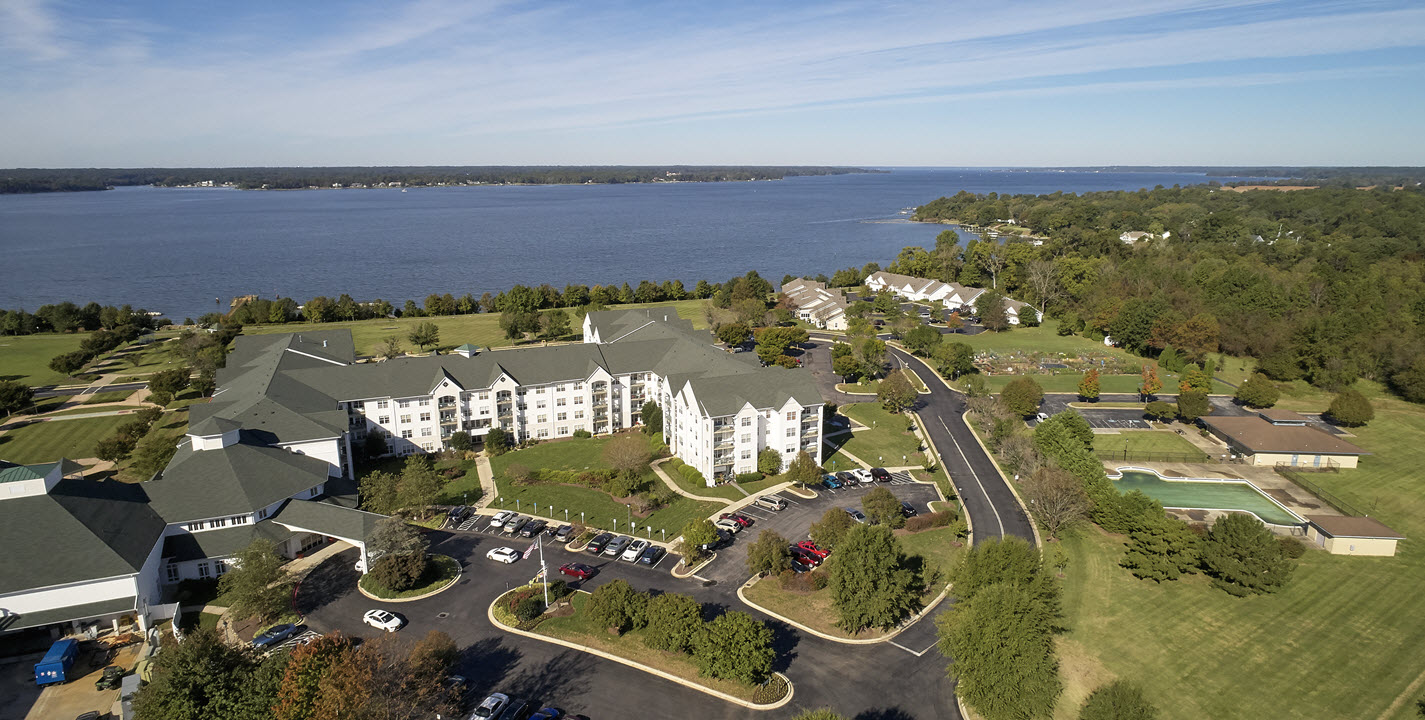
176,250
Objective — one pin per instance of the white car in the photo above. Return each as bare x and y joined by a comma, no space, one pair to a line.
863,476
500,518
635,549
729,525
505,555
382,620
491,706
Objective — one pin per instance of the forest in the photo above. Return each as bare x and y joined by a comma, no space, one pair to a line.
29,180
1323,284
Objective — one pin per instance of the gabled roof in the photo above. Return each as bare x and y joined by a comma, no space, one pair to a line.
82,530
237,479
221,543
328,519
213,426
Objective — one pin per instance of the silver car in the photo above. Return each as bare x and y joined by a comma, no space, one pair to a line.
634,549
616,546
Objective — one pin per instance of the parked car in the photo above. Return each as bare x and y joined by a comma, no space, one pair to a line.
738,518
805,556
564,534
599,542
863,476
458,514
771,502
724,538
830,482
847,479
505,555
856,515
533,528
880,475
617,545
501,518
907,509
1042,416
634,549
274,635
651,555
549,713
518,710
514,524
110,678
382,620
812,548
490,707
800,565
579,571
729,525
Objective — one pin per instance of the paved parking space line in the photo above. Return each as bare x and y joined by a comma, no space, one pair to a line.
912,652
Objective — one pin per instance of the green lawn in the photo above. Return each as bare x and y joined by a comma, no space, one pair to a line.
869,387
25,358
577,628
108,397
726,490
1145,441
482,329
884,442
1198,652
1068,382
599,508
442,571
49,441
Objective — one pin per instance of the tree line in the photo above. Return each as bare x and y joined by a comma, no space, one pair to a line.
68,317
26,180
1323,285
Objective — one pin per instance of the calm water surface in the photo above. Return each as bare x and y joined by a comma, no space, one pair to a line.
175,250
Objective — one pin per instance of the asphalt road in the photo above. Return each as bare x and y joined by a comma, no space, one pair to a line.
52,391
876,682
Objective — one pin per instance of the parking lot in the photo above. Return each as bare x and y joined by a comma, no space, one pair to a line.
730,567
553,549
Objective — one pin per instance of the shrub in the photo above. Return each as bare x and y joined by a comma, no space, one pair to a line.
792,581
399,572
1291,547
1159,410
1119,700
528,608
930,520
749,477
692,475
581,433
1351,408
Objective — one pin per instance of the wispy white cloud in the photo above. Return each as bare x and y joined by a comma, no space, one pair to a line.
455,71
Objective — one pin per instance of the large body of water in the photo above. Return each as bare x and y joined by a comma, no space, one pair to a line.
176,250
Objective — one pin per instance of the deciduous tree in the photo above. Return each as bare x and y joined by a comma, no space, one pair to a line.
1193,405
1151,383
803,470
896,393
769,461
735,646
768,555
673,622
1022,396
1056,498
628,454
871,582
257,586
882,507
14,396
1257,392
832,528
424,334
1351,408
1088,386
617,606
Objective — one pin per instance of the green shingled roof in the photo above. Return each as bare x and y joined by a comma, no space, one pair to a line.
86,611
221,543
82,530
240,478
328,519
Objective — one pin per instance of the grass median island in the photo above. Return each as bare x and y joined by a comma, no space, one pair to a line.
577,628
1187,644
885,441
112,396
442,571
1145,441
51,440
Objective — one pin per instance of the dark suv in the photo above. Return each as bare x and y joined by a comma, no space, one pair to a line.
880,475
599,542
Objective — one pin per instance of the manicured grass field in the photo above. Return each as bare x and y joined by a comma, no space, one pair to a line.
1068,382
482,329
108,397
599,508
869,387
1145,441
49,441
1198,652
726,490
577,628
25,358
173,425
884,442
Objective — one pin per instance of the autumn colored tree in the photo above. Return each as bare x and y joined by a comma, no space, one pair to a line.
1088,386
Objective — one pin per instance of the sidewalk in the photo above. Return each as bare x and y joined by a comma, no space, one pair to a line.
656,465
487,481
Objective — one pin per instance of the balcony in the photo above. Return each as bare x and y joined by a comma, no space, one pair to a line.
447,418
446,402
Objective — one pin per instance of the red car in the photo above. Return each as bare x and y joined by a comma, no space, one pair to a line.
738,518
578,571
811,547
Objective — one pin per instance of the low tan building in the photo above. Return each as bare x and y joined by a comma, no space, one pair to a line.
1282,437
1341,535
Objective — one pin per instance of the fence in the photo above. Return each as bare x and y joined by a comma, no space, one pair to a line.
1148,456
1331,499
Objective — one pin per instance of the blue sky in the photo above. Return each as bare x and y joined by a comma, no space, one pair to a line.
879,83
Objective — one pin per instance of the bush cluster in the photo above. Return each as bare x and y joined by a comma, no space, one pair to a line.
749,477
931,520
802,582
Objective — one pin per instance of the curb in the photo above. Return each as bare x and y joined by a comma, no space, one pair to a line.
969,523
791,689
844,641
1033,524
438,591
694,571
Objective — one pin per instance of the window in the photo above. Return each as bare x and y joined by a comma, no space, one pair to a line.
425,417
747,437
791,432
171,571
220,522
425,402
540,403
560,402
791,450
203,570
427,447
578,401
384,419
484,395
543,432
221,566
746,454
262,514
563,431
791,414
578,414
404,404
558,388
562,416
195,526
425,432
542,419
747,422
382,404
484,411
405,418
539,391
407,434
578,386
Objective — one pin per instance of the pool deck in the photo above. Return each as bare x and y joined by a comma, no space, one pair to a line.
1267,480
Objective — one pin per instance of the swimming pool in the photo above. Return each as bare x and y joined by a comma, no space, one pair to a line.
1198,493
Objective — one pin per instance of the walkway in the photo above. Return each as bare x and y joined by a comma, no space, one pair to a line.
657,466
487,481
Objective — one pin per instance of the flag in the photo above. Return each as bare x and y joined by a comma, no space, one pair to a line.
530,550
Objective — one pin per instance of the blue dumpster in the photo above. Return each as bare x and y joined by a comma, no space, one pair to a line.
56,662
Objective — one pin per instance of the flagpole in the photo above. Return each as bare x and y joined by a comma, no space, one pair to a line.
543,570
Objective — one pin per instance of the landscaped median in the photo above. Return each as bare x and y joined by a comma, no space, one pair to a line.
568,623
441,574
